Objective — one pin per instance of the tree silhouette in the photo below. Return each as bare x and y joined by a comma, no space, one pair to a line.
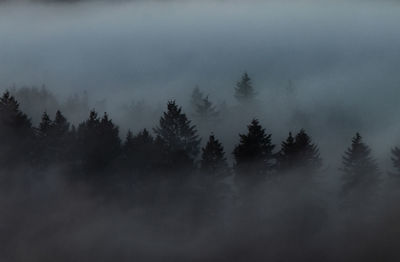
62,138
244,91
141,155
60,124
359,168
98,142
298,153
205,109
213,161
16,133
177,138
253,155
214,172
196,98
45,124
396,161
309,157
45,141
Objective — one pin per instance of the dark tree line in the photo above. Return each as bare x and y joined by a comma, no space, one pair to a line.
93,151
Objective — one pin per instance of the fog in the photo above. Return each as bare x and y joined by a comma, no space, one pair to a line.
340,55
331,67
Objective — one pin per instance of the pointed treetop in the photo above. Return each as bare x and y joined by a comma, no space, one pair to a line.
244,91
359,167
213,161
45,124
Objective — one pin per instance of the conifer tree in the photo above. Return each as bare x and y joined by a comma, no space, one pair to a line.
44,143
359,169
196,98
60,124
298,153
45,125
396,161
253,155
62,138
213,161
244,91
205,110
128,145
16,133
177,137
213,175
286,159
98,142
140,153
308,153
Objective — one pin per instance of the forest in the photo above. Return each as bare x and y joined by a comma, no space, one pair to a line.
169,193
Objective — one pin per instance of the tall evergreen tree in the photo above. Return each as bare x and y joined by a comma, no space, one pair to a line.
213,177
396,161
45,125
359,169
213,160
298,153
308,153
253,155
98,142
244,91
16,133
44,143
286,159
140,154
177,137
62,138
60,124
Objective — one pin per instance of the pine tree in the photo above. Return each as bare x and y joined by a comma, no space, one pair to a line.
98,142
253,154
45,125
62,138
16,134
45,143
109,138
298,153
196,98
177,137
286,159
140,153
308,153
244,91
360,170
128,145
205,110
213,161
213,178
61,125
396,161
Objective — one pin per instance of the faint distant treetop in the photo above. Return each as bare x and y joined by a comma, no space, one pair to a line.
244,91
197,97
202,106
206,109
